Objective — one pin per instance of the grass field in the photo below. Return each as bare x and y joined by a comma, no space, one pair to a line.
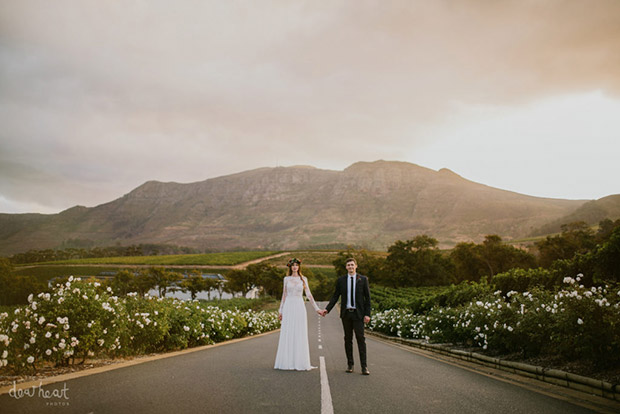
212,259
311,257
306,257
529,239
44,273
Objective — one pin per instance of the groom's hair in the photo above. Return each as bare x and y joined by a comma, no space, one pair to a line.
350,259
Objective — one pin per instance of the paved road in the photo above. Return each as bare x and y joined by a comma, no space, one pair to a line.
239,378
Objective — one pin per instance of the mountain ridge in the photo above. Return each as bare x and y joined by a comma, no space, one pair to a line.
368,203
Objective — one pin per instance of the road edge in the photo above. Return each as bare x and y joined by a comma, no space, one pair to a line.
552,376
138,360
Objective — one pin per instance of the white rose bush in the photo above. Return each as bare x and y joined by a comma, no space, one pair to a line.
574,322
81,319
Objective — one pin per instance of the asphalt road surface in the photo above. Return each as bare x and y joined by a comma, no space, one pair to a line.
239,378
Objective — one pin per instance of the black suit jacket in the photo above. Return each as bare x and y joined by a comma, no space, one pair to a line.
362,296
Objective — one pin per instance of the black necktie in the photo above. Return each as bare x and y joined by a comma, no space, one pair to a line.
351,295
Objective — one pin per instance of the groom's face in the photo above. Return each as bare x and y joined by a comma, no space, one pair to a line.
351,266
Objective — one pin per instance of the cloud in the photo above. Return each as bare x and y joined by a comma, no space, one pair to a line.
562,147
112,94
30,186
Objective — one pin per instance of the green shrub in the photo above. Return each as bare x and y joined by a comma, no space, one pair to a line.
575,322
81,318
522,280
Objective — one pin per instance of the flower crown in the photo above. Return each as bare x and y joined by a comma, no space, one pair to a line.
293,261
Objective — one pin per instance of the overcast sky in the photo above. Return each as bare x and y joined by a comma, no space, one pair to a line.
97,97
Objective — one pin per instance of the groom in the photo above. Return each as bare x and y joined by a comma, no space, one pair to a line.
354,311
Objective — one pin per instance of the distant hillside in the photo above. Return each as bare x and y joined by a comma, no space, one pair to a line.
369,203
591,212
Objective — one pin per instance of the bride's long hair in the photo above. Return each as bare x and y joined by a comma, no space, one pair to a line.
290,270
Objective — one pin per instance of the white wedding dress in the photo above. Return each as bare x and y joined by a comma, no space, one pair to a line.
293,351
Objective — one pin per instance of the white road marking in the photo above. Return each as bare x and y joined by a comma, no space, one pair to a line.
326,396
320,346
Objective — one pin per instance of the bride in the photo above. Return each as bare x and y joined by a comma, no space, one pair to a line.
293,351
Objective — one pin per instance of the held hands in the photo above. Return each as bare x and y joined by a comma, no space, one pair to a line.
279,316
366,319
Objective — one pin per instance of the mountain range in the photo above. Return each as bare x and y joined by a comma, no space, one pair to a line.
369,204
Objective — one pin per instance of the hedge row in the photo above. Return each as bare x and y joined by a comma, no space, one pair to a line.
575,322
82,319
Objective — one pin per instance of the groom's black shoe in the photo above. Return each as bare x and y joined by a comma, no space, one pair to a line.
365,371
350,368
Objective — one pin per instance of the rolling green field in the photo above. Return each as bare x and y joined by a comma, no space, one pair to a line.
44,273
311,257
211,259
306,257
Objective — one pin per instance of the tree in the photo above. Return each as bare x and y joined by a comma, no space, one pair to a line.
123,282
238,280
211,284
321,285
143,282
270,278
607,258
255,275
6,281
576,237
163,279
193,284
605,228
14,289
368,264
417,262
220,287
468,264
500,257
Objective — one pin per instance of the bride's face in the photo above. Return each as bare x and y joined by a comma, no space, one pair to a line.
295,267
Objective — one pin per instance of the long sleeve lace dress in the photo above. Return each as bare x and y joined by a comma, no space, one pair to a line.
293,351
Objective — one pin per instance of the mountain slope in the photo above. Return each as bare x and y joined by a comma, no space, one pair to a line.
369,203
591,212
